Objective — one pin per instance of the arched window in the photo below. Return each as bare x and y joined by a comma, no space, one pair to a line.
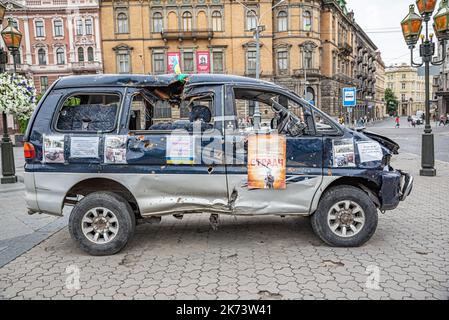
42,56
122,23
90,54
187,21
251,19
158,22
60,56
307,16
80,54
282,21
308,59
216,21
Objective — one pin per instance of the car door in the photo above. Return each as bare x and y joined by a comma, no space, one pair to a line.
303,155
174,164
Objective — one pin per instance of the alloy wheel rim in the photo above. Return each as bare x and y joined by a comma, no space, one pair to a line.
100,225
346,218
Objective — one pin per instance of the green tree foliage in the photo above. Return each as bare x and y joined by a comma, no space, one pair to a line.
391,101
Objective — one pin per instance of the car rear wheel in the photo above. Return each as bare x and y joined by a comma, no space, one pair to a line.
346,217
102,223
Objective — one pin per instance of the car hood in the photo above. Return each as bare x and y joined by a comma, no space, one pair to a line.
384,141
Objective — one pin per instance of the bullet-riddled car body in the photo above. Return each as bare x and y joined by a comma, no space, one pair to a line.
126,148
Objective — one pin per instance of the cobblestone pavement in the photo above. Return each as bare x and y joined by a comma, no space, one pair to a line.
253,258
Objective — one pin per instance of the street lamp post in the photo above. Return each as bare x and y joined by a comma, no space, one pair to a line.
257,30
412,26
12,38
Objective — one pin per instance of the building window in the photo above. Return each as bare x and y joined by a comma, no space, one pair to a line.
42,57
40,29
404,76
162,110
89,29
189,62
403,86
251,20
187,21
90,54
282,62
123,64
159,62
308,59
282,21
44,83
218,62
307,25
217,21
60,56
251,62
80,54
122,23
157,22
58,28
79,27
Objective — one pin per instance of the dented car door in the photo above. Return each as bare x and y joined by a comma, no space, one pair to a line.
303,156
178,156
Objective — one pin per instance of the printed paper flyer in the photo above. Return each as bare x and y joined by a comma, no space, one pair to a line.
53,149
180,149
115,149
369,151
267,157
84,147
344,153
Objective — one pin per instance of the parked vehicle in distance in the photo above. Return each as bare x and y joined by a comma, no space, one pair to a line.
417,120
125,149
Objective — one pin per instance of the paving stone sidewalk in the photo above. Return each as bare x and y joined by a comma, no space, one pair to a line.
253,258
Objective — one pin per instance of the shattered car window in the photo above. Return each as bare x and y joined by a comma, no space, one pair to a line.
161,114
89,113
279,114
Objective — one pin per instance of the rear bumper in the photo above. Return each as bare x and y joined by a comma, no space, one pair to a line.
396,187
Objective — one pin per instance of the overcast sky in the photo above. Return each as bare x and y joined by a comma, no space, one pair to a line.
381,20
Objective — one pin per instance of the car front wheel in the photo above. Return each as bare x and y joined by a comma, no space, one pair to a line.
346,217
102,223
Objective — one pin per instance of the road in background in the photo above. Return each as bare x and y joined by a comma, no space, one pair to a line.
409,138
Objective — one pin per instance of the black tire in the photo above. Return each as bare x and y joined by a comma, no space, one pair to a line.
123,212
333,196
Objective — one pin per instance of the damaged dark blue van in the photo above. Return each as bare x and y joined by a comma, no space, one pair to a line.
121,149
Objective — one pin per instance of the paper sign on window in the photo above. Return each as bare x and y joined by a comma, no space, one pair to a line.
267,161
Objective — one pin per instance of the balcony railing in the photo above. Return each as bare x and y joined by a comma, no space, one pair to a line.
311,72
86,66
345,48
176,34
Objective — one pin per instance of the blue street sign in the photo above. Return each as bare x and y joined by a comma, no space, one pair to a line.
349,97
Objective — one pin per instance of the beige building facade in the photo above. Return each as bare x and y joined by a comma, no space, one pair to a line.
308,46
408,87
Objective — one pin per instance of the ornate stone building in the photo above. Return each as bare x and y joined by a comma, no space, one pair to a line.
408,87
307,45
60,37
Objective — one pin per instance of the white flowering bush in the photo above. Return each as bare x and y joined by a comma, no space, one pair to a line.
17,95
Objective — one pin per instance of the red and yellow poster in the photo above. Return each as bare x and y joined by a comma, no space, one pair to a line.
267,161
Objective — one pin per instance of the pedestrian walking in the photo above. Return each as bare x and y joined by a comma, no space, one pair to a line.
397,122
442,120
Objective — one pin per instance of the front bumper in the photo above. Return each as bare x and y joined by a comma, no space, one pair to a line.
396,187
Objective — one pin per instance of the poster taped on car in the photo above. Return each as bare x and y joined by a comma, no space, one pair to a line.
369,151
115,149
267,157
84,147
53,149
343,153
180,149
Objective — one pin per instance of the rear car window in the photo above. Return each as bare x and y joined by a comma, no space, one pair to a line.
89,112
